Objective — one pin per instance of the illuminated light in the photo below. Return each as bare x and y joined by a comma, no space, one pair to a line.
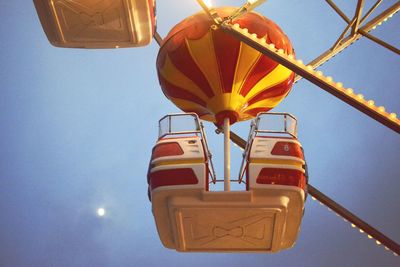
319,73
381,109
385,19
280,51
309,68
321,203
377,242
369,236
343,218
394,253
313,198
263,41
329,79
245,30
353,225
380,23
300,62
386,248
361,231
117,46
339,85
391,15
349,91
254,36
236,26
371,102
291,56
393,116
360,97
271,45
101,212
374,27
208,3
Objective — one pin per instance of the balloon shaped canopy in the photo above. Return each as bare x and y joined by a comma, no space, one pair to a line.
209,72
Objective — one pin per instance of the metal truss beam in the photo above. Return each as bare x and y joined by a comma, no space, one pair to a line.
357,16
346,42
355,220
326,83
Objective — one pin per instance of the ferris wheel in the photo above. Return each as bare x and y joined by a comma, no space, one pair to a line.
86,25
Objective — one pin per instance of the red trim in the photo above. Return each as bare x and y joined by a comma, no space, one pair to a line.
166,149
183,61
261,69
227,53
231,114
151,4
280,89
184,176
280,176
171,90
287,149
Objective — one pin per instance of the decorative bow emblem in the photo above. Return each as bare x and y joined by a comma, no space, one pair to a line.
221,232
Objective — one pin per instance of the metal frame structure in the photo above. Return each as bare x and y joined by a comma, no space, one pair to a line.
199,131
255,130
356,28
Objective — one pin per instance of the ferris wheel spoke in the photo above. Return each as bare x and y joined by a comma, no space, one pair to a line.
355,221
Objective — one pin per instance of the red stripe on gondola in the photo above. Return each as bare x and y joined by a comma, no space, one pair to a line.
280,176
227,53
278,90
263,66
184,62
171,90
184,176
166,149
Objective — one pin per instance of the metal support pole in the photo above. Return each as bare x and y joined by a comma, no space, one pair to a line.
227,156
158,38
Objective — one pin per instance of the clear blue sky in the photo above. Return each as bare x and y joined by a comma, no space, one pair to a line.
77,128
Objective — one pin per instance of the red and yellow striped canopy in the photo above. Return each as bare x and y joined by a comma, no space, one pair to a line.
208,72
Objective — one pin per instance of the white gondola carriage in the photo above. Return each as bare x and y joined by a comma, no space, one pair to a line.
97,24
265,217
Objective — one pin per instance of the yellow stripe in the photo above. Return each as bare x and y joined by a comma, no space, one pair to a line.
203,53
177,162
247,59
276,76
177,78
278,162
226,101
